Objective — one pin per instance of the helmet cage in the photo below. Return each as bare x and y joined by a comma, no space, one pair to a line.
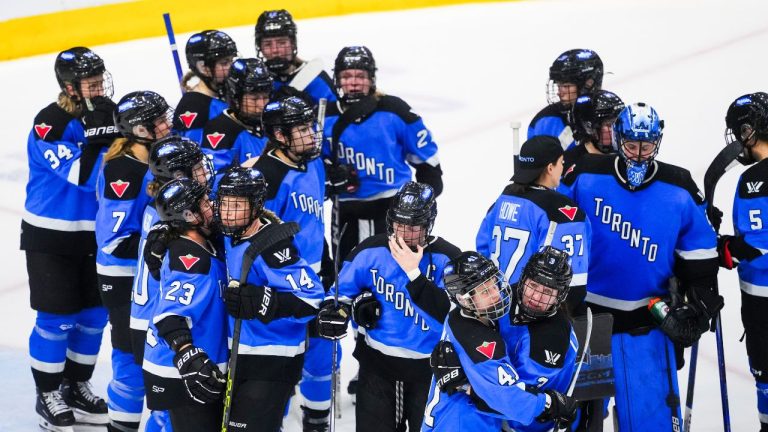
239,182
549,269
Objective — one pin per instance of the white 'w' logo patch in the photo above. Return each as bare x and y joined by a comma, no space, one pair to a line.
552,357
283,255
754,187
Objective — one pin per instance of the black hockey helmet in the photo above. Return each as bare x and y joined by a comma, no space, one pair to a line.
276,23
137,112
284,114
76,63
477,286
176,157
240,182
747,118
205,49
590,112
178,202
354,57
247,76
551,275
582,67
414,205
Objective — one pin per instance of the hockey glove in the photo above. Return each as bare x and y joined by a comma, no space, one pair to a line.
340,178
559,408
366,310
99,124
251,301
446,367
683,324
155,248
332,320
733,249
202,378
707,301
715,217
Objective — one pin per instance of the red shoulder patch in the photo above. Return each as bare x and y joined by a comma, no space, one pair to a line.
187,118
42,130
569,212
214,139
119,187
487,349
189,260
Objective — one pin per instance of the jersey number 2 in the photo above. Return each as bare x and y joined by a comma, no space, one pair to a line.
521,236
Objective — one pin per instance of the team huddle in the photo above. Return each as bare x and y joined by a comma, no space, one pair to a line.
198,233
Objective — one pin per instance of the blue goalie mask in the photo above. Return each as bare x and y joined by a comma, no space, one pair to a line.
636,137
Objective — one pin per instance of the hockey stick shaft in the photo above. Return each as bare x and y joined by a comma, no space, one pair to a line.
691,385
335,352
174,49
572,386
721,369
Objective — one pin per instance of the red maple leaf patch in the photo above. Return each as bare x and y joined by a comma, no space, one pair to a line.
569,212
187,118
487,349
214,139
569,170
189,260
119,187
42,130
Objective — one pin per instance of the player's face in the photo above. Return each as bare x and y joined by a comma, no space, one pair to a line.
605,133
201,173
412,235
162,127
486,296
638,150
538,297
254,103
355,81
92,86
221,68
302,139
235,211
567,93
206,208
277,47
557,167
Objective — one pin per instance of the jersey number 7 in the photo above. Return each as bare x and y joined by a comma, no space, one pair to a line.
510,234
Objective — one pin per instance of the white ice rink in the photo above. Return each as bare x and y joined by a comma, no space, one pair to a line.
469,71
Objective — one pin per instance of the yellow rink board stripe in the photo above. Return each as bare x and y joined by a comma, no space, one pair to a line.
118,22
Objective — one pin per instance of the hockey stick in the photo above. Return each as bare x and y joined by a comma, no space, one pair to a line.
515,125
306,74
691,383
575,378
335,352
267,238
174,50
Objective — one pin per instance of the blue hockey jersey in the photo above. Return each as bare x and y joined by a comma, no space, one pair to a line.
552,120
320,87
520,223
750,214
145,288
60,206
506,370
295,194
412,312
380,146
640,233
192,282
194,110
122,195
227,141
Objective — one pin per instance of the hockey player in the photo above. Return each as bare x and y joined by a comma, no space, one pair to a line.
276,44
371,139
747,122
235,135
185,356
530,214
575,72
280,295
142,117
492,365
57,235
398,276
593,116
295,179
649,224
209,55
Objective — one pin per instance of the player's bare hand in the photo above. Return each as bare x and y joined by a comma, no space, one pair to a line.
406,258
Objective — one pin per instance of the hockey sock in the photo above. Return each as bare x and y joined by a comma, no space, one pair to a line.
48,348
84,343
125,393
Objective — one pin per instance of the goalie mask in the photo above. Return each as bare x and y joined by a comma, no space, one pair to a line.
636,137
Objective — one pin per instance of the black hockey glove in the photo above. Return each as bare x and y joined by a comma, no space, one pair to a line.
100,129
366,310
733,249
251,301
446,367
202,378
715,217
155,248
683,324
707,301
561,409
332,320
340,178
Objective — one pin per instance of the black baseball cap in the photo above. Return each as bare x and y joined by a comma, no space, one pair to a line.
535,155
